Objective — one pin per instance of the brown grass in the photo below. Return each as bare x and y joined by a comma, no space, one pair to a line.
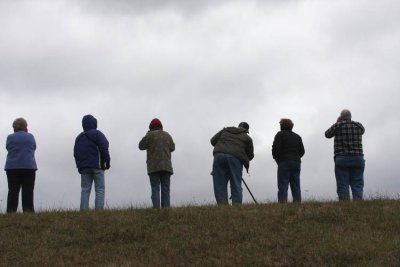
311,234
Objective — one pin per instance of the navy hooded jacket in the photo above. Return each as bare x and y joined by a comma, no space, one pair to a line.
91,146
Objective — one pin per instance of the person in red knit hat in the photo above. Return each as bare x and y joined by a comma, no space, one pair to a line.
159,145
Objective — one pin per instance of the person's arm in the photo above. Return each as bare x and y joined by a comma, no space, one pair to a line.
34,142
8,143
250,149
360,126
276,147
214,140
171,144
301,148
331,131
103,145
143,143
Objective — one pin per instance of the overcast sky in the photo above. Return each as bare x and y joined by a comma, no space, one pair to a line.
199,66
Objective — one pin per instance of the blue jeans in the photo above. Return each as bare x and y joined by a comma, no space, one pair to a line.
349,171
227,168
160,179
87,178
289,173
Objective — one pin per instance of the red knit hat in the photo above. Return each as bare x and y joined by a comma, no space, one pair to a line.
155,123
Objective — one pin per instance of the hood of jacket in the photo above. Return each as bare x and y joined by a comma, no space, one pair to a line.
89,123
236,130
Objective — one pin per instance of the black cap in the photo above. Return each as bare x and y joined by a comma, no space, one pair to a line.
244,125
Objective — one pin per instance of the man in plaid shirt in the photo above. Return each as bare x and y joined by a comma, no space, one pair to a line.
349,157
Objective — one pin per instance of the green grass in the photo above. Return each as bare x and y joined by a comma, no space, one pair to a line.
311,234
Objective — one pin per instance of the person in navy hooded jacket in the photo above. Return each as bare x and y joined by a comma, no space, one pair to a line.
92,158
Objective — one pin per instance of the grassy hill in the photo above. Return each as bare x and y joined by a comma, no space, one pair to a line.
314,234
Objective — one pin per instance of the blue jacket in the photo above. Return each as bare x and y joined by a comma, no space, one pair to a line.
21,148
91,146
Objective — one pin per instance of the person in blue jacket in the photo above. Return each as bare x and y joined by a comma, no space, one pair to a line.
20,166
92,158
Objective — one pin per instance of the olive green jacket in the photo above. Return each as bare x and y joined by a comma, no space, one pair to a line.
236,142
159,145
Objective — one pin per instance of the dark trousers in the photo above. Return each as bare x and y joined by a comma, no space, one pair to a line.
18,179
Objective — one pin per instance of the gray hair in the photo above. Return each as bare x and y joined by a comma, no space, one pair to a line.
19,124
345,114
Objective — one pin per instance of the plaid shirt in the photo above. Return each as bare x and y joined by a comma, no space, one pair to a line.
348,137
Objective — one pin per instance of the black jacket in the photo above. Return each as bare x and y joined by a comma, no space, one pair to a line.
287,146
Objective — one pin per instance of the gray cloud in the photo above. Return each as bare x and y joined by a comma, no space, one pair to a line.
198,67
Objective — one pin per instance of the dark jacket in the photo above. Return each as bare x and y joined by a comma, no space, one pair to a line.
287,146
236,142
91,146
159,145
21,148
